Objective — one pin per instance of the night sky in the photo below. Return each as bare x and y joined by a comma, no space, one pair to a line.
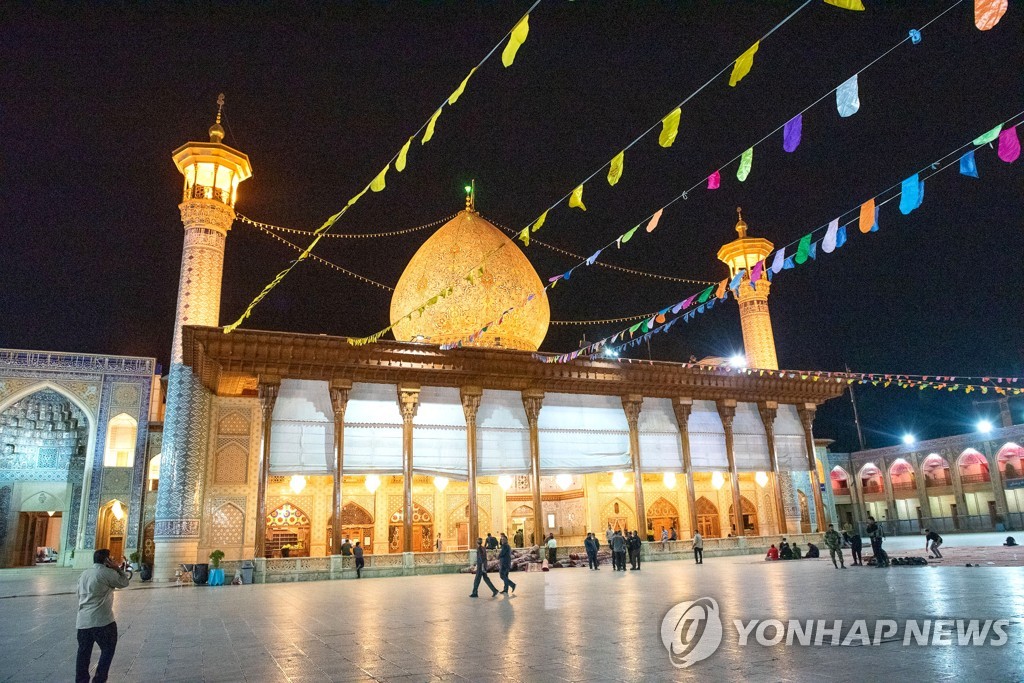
94,99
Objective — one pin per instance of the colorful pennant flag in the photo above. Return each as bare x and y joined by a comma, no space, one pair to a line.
828,243
856,5
848,97
802,250
706,294
629,235
780,261
910,194
515,41
669,128
461,89
792,133
841,235
539,223
746,161
402,154
576,199
378,183
755,273
743,64
615,169
524,236
653,223
968,166
987,13
989,136
430,127
867,216
714,180
1009,145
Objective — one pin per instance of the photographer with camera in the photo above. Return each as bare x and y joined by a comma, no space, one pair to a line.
95,620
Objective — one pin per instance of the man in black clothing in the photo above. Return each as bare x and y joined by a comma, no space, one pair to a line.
360,562
875,533
505,564
935,540
856,543
491,543
481,570
590,543
631,550
618,551
518,538
636,544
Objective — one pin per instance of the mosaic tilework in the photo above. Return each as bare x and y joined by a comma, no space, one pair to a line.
141,465
5,511
228,525
186,433
202,265
75,362
76,507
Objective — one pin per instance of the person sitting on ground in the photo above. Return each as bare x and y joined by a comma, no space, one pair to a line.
1010,541
796,552
812,551
785,551
773,553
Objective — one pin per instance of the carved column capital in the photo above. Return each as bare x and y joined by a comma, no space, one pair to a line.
206,213
268,389
682,407
631,404
769,410
340,390
471,397
806,412
533,400
727,411
408,400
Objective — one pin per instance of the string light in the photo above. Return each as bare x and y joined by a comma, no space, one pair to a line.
350,236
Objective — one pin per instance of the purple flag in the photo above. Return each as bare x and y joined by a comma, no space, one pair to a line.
792,132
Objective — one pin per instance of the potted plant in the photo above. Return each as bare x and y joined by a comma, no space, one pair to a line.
216,573
134,559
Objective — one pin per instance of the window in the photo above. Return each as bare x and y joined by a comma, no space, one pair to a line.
153,479
120,450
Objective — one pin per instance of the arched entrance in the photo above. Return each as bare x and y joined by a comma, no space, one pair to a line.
356,525
110,528
662,515
750,527
287,526
458,528
422,530
619,515
708,523
521,526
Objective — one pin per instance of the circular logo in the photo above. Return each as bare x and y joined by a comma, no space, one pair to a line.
691,632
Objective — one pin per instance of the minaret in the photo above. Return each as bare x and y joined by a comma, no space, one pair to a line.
212,172
742,254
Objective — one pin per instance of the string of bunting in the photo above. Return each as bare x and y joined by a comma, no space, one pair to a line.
323,261
739,68
335,235
516,36
605,321
713,182
910,195
623,269
847,103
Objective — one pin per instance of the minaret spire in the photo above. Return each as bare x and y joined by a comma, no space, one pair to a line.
216,131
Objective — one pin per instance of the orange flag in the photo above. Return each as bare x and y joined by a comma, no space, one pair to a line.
867,215
987,13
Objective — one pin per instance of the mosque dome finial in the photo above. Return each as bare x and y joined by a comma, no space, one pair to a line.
741,225
216,130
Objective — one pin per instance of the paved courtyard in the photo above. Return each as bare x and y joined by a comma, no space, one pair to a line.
564,625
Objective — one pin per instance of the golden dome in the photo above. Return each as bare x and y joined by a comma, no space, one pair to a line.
508,279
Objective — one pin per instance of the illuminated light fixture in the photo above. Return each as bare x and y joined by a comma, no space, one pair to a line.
610,352
909,439
670,480
984,426
372,482
297,483
50,512
564,481
761,478
505,482
441,483
117,510
717,480
738,360
618,480
469,189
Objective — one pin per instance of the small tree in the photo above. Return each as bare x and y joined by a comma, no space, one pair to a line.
215,557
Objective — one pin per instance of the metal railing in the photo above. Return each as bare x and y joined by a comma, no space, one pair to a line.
980,478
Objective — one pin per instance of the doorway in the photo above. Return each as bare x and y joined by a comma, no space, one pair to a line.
38,538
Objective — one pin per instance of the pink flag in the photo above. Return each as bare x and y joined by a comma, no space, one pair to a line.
657,217
755,272
1009,145
714,180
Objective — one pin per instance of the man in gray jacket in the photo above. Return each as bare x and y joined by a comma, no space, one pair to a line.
618,552
95,621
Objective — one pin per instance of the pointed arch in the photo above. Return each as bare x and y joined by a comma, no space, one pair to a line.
1010,459
355,514
871,478
935,470
708,523
228,526
122,436
973,467
749,512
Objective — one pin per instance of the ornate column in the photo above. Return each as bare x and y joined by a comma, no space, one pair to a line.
922,491
533,399
768,410
631,404
471,397
958,491
682,408
727,411
996,480
891,512
807,419
409,403
339,389
269,387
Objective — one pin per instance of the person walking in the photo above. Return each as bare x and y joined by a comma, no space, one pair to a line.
95,619
935,540
618,552
698,548
834,543
875,534
481,570
856,544
360,562
505,564
552,553
590,544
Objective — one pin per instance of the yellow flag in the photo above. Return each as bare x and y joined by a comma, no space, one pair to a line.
430,127
402,154
540,222
378,184
576,199
615,169
461,89
518,37
847,4
524,237
743,64
669,128
357,197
